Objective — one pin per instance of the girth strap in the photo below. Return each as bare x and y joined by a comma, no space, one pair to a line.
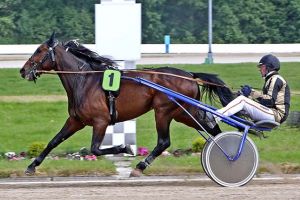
112,108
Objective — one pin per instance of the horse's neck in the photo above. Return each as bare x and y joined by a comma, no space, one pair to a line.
68,62
73,83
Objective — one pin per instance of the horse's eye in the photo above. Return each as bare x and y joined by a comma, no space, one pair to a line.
36,52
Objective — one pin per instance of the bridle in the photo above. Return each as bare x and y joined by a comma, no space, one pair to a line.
36,65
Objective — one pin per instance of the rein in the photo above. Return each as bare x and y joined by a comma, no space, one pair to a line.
198,81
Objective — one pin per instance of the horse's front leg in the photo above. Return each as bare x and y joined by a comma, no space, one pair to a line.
163,142
71,126
99,129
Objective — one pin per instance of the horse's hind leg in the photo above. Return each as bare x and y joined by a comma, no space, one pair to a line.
71,126
203,118
99,129
163,142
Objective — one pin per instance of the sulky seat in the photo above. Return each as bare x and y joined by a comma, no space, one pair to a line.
266,124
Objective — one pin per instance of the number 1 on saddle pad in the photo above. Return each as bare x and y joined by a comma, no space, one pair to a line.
111,80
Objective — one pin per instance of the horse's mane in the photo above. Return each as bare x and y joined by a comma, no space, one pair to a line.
97,62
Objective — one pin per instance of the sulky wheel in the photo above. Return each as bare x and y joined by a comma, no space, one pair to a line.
231,173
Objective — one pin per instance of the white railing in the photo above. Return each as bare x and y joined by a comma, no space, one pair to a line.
14,56
222,48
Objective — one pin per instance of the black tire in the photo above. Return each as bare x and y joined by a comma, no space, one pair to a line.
203,155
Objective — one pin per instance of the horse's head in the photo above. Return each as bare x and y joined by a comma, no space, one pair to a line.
42,59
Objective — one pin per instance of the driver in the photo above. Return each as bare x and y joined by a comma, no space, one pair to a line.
272,103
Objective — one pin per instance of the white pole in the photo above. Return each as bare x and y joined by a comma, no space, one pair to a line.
209,59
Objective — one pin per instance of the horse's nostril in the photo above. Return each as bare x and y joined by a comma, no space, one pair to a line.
22,72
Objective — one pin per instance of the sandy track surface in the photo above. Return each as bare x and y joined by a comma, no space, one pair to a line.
191,192
264,187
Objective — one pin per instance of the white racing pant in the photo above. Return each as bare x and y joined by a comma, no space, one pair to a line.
256,111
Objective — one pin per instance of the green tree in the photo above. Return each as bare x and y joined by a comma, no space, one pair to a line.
234,21
6,30
290,25
226,25
76,24
152,26
257,19
7,15
184,20
37,19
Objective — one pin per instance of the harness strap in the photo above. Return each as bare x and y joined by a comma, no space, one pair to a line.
112,108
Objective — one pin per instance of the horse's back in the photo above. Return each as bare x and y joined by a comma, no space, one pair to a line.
177,83
136,99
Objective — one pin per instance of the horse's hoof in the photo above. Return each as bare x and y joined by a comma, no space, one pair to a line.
136,173
129,150
29,171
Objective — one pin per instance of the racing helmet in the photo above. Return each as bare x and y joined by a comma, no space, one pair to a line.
272,62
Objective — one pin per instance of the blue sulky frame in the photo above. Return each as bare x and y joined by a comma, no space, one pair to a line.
232,120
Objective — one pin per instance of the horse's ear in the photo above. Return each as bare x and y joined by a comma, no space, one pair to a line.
51,40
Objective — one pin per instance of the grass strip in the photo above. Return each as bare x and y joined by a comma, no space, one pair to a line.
100,167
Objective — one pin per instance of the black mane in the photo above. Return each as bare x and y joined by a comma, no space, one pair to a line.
97,62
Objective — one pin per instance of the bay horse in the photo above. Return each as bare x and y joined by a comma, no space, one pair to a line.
87,102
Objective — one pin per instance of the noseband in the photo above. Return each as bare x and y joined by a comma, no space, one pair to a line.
37,65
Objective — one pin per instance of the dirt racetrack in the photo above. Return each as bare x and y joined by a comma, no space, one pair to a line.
272,191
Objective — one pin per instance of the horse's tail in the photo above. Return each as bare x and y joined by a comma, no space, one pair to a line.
212,86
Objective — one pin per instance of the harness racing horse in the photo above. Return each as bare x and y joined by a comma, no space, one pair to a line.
79,71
